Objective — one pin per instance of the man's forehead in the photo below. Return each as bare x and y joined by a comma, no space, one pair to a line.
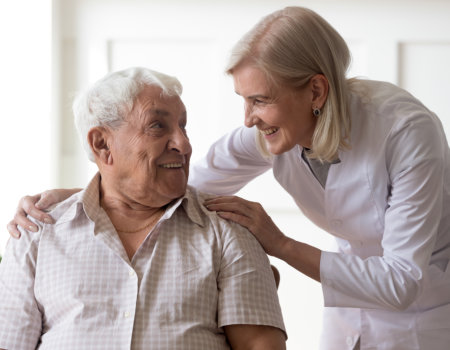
154,100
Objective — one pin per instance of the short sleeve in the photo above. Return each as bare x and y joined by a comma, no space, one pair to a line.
247,290
20,318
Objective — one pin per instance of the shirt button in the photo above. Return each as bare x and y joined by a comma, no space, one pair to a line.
131,273
127,314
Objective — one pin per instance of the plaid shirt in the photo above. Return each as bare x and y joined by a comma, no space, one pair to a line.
71,285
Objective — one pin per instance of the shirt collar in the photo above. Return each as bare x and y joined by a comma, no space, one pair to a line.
190,204
89,200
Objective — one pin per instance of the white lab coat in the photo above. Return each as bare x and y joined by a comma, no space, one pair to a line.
388,205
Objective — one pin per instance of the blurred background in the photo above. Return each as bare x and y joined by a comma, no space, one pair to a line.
51,49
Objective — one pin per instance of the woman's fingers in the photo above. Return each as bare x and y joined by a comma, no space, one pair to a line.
229,204
244,212
252,216
49,198
12,229
230,208
236,217
27,206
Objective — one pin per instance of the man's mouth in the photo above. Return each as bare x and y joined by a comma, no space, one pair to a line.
172,165
269,131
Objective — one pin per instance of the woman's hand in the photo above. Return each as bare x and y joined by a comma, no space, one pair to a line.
35,206
252,216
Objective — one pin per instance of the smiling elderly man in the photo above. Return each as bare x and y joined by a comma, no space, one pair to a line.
134,260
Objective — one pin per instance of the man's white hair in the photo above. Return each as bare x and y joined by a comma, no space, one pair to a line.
108,101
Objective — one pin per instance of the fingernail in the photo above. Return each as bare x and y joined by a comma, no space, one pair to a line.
32,228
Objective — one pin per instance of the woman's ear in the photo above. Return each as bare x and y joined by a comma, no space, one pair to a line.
98,141
319,87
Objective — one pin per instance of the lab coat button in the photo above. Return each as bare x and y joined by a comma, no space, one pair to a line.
349,341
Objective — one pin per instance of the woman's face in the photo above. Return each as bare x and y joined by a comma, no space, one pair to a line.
282,115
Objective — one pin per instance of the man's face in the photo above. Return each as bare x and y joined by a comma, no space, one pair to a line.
151,150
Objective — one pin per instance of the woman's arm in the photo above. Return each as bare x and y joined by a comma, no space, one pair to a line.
231,162
35,207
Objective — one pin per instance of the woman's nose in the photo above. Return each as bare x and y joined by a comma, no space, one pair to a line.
249,118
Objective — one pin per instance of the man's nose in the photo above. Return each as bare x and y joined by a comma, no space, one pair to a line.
180,142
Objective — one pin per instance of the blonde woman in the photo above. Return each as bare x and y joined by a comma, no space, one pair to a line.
364,160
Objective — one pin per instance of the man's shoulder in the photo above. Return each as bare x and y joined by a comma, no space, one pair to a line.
226,230
195,202
60,212
64,210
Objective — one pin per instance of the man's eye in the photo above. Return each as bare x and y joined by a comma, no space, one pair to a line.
183,128
156,126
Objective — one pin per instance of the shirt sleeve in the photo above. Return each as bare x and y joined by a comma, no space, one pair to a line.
20,318
247,290
416,154
231,162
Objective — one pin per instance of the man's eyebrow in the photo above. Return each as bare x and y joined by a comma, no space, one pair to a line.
158,112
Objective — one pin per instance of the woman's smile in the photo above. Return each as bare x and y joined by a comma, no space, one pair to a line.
269,131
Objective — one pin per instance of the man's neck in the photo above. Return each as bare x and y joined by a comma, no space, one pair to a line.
132,220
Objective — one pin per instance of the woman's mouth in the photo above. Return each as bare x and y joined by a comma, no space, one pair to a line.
269,131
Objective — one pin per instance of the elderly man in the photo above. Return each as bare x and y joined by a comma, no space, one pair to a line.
134,260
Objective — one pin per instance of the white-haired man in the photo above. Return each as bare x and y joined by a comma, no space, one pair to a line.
134,260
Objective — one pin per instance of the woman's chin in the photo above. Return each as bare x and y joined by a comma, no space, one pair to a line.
278,149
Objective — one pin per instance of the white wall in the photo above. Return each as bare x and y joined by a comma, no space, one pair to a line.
27,152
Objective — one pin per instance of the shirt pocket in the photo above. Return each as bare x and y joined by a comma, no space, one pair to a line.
190,294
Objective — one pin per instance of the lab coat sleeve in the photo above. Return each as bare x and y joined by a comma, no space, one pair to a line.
415,154
231,162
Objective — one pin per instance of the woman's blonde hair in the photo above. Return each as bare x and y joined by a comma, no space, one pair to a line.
291,46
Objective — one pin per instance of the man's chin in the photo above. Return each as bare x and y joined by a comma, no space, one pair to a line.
176,192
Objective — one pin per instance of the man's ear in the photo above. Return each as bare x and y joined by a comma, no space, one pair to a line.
98,138
319,88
